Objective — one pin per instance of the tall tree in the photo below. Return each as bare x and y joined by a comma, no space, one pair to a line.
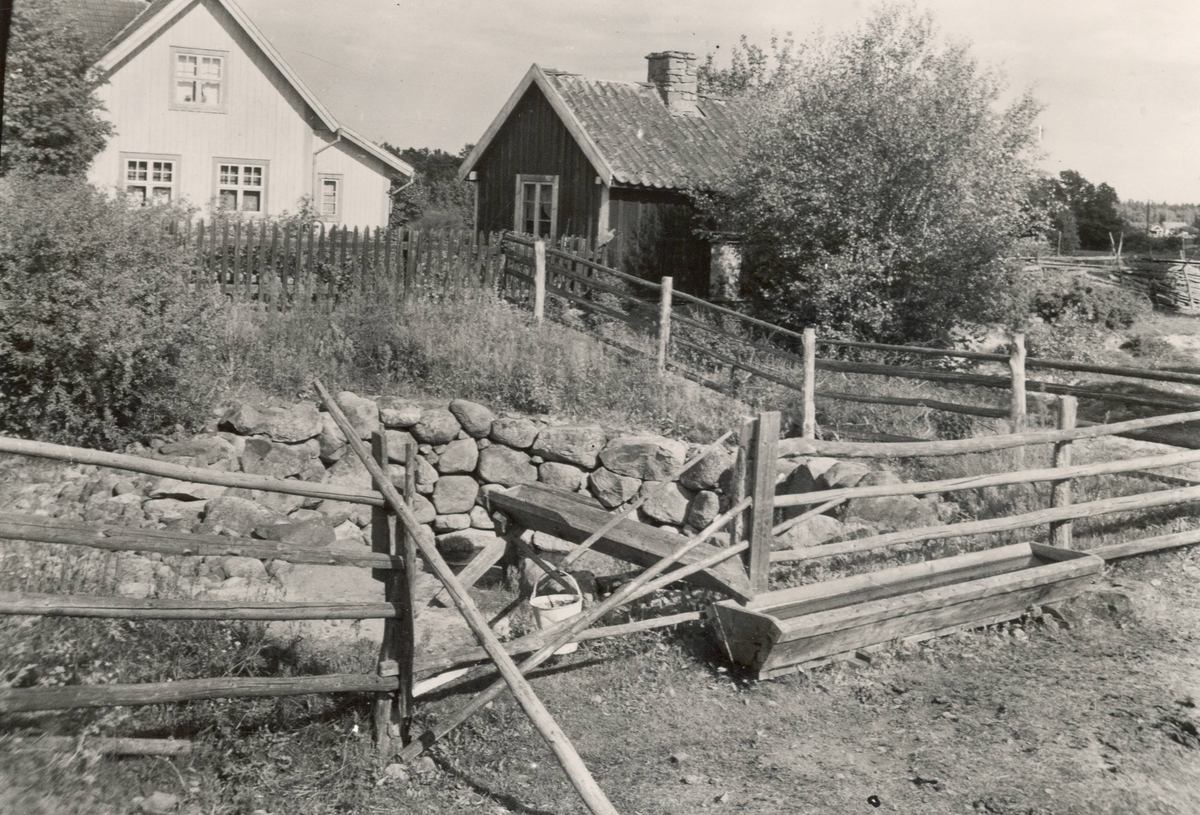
51,122
881,185
1095,208
436,198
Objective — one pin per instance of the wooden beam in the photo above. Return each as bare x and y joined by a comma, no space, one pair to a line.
195,475
102,745
487,557
1124,503
762,489
127,608
386,708
978,444
808,428
1158,543
1060,491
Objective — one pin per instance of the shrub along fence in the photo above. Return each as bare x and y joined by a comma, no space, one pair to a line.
719,346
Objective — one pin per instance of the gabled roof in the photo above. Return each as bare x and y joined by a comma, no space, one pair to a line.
100,20
159,14
628,134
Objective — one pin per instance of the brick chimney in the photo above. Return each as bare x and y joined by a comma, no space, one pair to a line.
673,73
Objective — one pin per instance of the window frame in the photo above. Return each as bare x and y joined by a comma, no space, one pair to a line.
264,196
123,181
519,203
339,179
197,107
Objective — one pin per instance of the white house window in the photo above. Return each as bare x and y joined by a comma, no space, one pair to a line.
537,205
150,179
241,186
329,197
198,80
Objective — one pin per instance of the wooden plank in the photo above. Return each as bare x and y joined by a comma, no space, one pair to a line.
235,262
1136,466
195,475
101,745
573,518
539,281
977,444
405,604
762,488
808,428
24,700
906,401
386,707
120,539
124,608
1016,364
1060,491
664,322
484,559
225,258
1144,546
1089,509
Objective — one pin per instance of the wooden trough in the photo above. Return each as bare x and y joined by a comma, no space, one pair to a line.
777,631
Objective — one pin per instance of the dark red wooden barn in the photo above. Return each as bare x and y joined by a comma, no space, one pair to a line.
572,156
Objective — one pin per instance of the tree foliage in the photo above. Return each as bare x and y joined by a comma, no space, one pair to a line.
100,340
50,106
882,184
751,69
436,199
1094,210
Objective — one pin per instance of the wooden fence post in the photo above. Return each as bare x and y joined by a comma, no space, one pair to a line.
762,489
1016,364
1060,491
386,711
808,427
737,487
664,322
539,280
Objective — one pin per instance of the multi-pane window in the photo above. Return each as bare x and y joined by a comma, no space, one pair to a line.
537,205
198,80
329,197
149,179
241,187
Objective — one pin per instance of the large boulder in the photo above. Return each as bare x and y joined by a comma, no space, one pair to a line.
811,532
297,423
244,419
843,475
806,477
397,444
517,433
171,509
651,458
460,456
210,449
350,472
891,512
452,523
704,509
331,440
610,489
506,467
313,532
397,412
709,472
239,514
572,445
474,418
263,457
436,427
668,505
362,412
455,494
564,476
423,509
425,475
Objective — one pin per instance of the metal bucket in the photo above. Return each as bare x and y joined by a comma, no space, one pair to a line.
552,608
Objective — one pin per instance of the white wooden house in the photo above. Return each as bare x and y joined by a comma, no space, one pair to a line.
205,109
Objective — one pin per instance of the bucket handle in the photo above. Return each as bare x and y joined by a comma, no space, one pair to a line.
567,575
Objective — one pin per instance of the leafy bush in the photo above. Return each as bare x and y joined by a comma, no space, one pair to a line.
1081,299
98,333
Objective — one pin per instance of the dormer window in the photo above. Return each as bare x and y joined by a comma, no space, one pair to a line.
198,79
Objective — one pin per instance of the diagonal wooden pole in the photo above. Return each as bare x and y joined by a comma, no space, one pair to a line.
572,764
566,630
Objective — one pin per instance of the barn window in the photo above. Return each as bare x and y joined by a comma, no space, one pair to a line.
329,201
537,205
148,178
242,186
199,80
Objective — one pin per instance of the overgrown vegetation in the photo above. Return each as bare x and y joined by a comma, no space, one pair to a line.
100,341
882,183
435,199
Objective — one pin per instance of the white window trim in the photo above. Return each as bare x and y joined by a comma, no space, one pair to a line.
123,180
519,202
241,162
341,196
196,107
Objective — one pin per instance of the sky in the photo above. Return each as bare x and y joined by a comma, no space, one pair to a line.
1120,80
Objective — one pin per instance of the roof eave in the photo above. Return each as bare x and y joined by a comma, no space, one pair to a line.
535,75
390,159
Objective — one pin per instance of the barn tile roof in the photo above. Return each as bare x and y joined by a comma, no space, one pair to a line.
100,20
641,140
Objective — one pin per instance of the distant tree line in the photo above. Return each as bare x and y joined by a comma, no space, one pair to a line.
435,199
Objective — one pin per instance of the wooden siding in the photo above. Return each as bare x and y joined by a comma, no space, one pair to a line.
365,182
266,120
534,142
655,238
